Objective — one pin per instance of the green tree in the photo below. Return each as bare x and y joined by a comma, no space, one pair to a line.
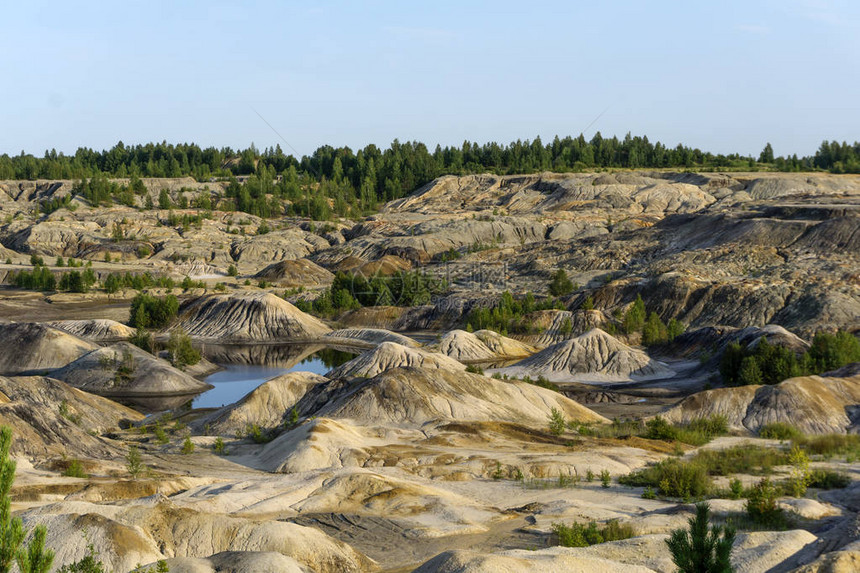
556,422
164,199
634,318
654,331
766,155
700,549
182,353
133,462
561,285
34,558
750,373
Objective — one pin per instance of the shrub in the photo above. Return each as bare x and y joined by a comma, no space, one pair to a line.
761,506
75,469
556,422
799,479
232,271
658,428
182,353
219,446
700,550
474,369
673,478
187,446
743,459
142,338
828,479
133,462
830,444
779,431
578,535
605,479
561,285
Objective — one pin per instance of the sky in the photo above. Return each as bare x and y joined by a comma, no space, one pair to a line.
724,76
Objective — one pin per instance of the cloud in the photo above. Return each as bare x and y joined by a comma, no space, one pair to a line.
757,29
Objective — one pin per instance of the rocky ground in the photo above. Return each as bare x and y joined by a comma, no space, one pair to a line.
411,456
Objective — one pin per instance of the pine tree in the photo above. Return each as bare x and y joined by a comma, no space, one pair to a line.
700,550
34,558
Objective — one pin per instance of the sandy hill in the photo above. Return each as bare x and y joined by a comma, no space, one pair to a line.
414,396
593,356
814,404
482,346
38,348
125,370
368,337
128,534
50,417
389,355
268,405
293,273
97,330
248,317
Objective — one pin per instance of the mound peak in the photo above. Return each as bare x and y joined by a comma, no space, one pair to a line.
813,404
97,330
123,369
593,356
39,347
414,396
482,346
390,355
248,317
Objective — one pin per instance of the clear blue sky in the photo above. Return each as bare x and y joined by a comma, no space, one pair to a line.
723,76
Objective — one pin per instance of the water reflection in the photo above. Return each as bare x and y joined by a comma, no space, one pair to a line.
243,368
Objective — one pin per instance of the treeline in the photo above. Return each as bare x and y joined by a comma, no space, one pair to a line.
770,364
371,174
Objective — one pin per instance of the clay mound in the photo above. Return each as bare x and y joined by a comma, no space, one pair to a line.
96,330
414,396
248,317
482,346
145,532
39,348
234,562
775,335
813,404
368,337
594,356
268,405
295,273
51,418
123,369
754,552
553,323
389,355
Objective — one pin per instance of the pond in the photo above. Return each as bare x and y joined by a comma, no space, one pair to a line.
246,367
243,368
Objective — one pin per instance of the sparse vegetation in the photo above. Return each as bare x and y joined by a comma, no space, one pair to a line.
579,535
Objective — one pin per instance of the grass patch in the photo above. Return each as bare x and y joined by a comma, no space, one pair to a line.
829,445
779,431
828,479
745,459
673,478
579,535
697,432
